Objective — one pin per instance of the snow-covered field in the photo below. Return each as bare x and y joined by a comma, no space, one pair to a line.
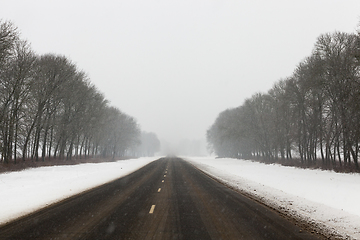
26,191
331,201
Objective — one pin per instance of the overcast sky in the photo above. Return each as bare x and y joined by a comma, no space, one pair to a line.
174,65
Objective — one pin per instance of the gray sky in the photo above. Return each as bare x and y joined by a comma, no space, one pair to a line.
174,65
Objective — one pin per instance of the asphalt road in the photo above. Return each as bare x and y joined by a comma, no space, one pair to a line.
167,199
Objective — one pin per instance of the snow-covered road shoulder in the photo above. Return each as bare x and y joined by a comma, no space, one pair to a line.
32,189
328,200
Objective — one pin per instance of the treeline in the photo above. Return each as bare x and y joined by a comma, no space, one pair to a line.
312,115
150,144
49,108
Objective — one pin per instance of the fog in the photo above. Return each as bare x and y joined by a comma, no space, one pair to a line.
174,65
184,147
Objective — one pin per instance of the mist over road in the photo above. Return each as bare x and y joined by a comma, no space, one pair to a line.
166,199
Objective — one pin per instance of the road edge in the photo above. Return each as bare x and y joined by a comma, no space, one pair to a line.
55,203
320,229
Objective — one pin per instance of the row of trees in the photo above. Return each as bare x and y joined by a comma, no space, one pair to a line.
150,144
313,114
49,108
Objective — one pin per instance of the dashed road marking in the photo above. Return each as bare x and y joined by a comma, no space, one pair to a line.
159,189
152,209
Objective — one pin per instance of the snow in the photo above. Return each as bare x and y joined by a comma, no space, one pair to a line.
32,189
330,201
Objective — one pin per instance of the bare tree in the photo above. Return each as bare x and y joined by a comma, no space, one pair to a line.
8,38
341,73
17,81
313,111
50,73
49,107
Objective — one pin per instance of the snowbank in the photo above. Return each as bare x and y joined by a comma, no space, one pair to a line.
26,191
329,200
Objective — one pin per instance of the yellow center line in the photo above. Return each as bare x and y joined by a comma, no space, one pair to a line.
159,189
152,209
